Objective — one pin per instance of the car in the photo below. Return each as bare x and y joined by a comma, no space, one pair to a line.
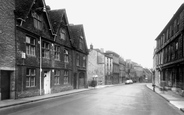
128,81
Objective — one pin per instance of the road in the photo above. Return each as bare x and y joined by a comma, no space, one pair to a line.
133,99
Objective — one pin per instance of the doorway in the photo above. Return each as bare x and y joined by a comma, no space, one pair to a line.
75,81
5,85
47,82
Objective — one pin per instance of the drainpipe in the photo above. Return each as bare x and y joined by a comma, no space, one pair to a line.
40,65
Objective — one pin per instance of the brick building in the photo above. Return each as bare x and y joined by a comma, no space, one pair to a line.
169,53
36,50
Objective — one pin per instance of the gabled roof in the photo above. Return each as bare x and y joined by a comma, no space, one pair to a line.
56,18
76,32
23,7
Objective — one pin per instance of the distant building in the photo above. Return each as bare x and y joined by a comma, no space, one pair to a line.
116,71
108,69
96,66
122,72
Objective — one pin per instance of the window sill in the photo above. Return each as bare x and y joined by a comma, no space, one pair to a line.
29,55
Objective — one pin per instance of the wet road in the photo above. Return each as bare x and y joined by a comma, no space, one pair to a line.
134,99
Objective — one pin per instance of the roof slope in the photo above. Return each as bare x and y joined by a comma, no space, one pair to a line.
56,18
76,32
22,7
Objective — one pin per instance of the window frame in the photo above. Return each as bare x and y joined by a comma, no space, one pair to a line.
66,56
29,77
77,60
62,34
57,77
37,21
57,52
30,47
45,50
84,61
66,77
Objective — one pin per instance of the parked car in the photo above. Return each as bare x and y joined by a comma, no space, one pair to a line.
128,81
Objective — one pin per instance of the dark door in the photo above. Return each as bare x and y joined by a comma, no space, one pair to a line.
5,85
75,81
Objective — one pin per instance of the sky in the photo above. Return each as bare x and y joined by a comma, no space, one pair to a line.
127,27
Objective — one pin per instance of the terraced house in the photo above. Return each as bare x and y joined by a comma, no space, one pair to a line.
37,51
169,53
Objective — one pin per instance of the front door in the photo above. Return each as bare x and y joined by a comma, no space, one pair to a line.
5,85
47,82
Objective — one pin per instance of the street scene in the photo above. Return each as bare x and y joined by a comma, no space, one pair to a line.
134,99
91,57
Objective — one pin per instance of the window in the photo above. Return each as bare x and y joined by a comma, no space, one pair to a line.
65,77
81,43
66,57
45,50
37,21
167,35
77,60
56,77
177,25
56,52
84,62
30,77
30,46
62,34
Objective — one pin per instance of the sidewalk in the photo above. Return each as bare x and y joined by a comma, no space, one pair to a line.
170,96
14,102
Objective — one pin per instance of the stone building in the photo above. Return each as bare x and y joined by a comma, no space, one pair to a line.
170,52
96,66
122,70
79,56
36,50
116,71
108,69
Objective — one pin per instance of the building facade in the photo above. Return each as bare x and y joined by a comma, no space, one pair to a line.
96,66
122,72
116,71
79,56
170,52
108,69
36,50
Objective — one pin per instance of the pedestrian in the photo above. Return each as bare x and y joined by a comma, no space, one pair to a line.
153,87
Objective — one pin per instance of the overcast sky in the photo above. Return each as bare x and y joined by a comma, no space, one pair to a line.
127,27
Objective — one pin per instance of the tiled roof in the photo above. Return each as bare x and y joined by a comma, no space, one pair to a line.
56,18
22,7
76,32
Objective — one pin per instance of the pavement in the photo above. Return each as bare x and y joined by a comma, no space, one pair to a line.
16,102
173,98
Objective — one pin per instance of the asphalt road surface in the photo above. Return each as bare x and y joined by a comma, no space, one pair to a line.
133,99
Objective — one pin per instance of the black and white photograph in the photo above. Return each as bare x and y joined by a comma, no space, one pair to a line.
91,57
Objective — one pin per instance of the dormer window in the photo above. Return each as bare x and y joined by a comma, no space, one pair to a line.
81,43
37,21
62,34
